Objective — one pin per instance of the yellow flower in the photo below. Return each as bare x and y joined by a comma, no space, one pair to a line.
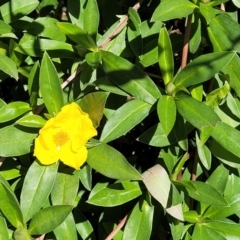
64,137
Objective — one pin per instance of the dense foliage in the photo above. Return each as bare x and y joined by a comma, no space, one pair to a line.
159,81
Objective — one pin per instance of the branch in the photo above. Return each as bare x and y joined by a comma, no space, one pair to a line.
186,42
117,229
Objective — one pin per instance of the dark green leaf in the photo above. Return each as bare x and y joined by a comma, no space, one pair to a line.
16,141
33,84
65,188
37,186
50,86
141,220
228,137
13,10
36,48
77,35
48,219
172,9
166,110
91,18
46,27
116,194
83,226
156,136
202,68
165,56
67,229
124,119
13,110
196,112
117,166
229,31
129,77
9,205
8,66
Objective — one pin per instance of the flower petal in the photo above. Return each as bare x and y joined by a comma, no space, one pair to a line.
72,159
45,156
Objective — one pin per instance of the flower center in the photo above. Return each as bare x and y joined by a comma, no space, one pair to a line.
60,138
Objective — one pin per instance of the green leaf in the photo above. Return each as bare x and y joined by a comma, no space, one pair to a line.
203,193
116,194
93,59
117,166
141,218
227,228
77,35
33,84
8,66
195,35
21,233
134,32
219,178
48,219
224,155
50,86
204,153
202,68
191,216
231,70
3,229
91,18
55,49
93,104
13,10
10,169
165,56
202,232
67,229
228,137
129,77
158,183
105,84
217,212
166,110
37,186
65,188
16,141
229,30
124,119
171,9
9,205
34,121
156,136
207,12
215,97
83,226
13,110
85,175
195,112
46,27
5,28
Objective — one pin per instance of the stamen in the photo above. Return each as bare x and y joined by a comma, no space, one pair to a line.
60,138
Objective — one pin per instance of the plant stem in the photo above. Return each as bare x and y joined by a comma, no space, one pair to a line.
186,42
117,229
